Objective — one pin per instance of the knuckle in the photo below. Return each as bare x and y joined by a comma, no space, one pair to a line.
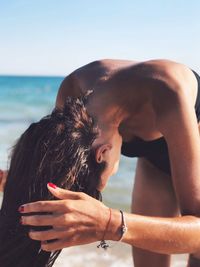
40,204
82,195
65,218
68,206
73,238
65,205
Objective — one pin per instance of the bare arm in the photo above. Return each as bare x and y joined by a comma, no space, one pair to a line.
164,235
179,125
177,121
79,219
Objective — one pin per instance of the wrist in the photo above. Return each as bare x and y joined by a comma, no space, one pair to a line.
114,228
102,222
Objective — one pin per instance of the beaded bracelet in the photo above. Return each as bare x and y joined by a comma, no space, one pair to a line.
103,244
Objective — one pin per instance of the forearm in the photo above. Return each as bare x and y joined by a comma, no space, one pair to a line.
161,235
84,220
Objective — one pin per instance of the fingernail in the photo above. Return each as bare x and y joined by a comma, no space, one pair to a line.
21,209
52,185
21,220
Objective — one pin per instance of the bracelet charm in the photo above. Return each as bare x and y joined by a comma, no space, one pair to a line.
103,244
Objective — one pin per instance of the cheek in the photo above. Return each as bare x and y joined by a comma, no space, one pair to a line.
102,183
109,171
114,160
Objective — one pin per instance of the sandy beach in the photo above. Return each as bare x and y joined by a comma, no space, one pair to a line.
118,256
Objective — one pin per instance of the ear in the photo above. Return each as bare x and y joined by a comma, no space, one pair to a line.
101,152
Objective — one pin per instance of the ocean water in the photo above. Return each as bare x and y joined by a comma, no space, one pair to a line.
24,100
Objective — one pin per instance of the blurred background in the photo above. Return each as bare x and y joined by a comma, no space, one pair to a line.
43,41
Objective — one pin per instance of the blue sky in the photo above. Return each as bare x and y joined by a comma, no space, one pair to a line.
49,37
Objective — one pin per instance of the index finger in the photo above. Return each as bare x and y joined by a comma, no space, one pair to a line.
44,206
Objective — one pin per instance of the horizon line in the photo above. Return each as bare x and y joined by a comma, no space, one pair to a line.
31,75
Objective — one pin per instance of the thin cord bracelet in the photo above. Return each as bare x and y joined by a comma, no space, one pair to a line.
124,227
103,244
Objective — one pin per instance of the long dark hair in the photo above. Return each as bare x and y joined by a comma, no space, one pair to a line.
56,149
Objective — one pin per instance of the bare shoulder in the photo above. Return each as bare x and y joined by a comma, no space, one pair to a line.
74,83
176,76
80,80
166,80
173,92
87,76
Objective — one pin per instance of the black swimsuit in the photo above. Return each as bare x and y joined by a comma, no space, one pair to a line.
156,150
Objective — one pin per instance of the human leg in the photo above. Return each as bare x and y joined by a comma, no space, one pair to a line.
153,195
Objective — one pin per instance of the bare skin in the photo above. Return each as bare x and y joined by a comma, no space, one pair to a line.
3,175
147,100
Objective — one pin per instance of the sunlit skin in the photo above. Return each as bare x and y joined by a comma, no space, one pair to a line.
3,175
134,99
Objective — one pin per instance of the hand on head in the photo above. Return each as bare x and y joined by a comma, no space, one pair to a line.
76,219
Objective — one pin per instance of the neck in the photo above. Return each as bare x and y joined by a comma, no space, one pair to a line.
106,110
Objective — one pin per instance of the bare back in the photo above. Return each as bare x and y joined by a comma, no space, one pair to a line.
135,85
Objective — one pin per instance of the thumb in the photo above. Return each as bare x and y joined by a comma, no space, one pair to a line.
61,193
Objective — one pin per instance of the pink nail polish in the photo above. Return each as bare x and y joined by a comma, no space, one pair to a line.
52,185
